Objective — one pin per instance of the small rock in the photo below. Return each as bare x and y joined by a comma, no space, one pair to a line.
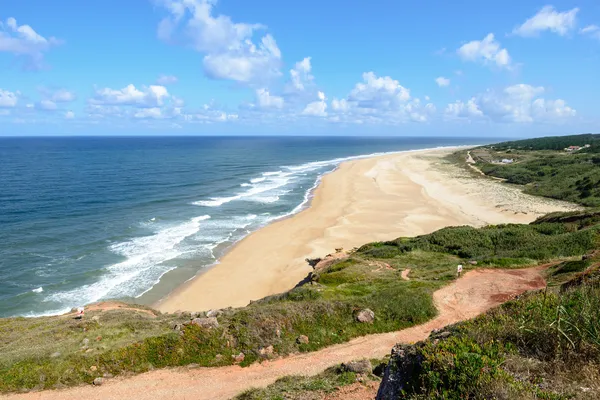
177,327
54,355
214,313
98,338
278,333
96,318
194,315
98,381
302,339
89,350
218,358
85,342
93,368
365,316
473,262
266,351
239,358
209,322
359,367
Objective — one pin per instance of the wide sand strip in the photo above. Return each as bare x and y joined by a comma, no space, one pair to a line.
373,199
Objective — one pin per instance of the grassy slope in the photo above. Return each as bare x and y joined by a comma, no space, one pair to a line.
324,309
543,345
546,169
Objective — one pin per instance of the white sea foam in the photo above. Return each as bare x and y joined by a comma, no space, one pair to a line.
38,290
142,268
257,180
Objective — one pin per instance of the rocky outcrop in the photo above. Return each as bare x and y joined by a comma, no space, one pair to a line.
401,372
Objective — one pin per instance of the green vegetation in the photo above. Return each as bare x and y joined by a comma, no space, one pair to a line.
51,352
545,168
544,345
306,388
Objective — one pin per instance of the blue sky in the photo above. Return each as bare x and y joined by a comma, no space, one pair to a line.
383,67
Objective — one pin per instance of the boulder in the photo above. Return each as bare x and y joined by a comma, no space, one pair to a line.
266,351
365,316
214,313
302,339
359,367
239,358
98,381
401,372
208,322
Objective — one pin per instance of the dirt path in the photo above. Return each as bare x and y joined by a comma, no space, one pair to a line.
474,293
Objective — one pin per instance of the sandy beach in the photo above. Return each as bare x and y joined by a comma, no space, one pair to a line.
365,200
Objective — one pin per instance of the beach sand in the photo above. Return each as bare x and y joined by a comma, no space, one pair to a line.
365,200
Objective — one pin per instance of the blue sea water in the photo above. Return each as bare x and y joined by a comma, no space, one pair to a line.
85,219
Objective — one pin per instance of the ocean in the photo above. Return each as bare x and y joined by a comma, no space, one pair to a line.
91,218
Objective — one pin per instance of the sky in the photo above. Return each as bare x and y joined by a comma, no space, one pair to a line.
252,67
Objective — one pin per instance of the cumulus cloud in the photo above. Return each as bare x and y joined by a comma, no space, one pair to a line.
8,99
69,115
548,19
164,80
24,42
150,96
266,100
380,100
317,108
487,51
442,82
230,52
520,103
301,74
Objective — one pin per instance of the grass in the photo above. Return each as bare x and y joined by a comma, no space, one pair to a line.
544,168
50,352
305,387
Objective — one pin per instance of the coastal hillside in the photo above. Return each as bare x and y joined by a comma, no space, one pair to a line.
564,167
370,290
540,345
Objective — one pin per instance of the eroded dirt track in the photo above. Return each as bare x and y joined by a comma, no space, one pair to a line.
476,292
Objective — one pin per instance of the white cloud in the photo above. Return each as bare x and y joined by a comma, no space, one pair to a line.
592,31
548,19
151,96
520,103
380,100
486,51
229,50
377,92
8,99
317,108
47,105
57,95
442,82
69,115
166,80
300,74
266,100
459,109
23,41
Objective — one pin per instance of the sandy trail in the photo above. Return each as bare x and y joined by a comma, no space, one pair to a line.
476,292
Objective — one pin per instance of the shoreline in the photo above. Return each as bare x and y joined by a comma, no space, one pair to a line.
366,199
